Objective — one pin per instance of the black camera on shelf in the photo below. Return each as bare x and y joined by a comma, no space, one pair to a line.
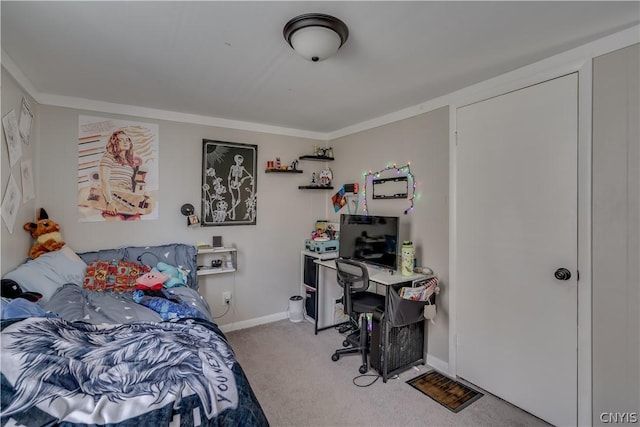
216,263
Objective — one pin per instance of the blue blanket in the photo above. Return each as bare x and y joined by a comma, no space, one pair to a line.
182,373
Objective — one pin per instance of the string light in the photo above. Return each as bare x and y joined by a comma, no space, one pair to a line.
406,170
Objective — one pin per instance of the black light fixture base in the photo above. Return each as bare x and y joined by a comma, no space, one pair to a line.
316,20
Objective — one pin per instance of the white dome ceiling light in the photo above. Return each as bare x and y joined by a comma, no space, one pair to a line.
316,36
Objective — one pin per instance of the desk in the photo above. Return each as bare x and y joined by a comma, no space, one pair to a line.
388,279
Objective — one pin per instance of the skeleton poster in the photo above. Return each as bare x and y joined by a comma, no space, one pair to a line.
228,183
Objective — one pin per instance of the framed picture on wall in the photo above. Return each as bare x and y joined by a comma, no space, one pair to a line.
228,183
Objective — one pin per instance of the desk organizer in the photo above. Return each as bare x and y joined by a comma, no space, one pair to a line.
404,311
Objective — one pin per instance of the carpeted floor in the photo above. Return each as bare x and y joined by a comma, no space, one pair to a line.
297,384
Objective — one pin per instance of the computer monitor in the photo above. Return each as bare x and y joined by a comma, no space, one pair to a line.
371,239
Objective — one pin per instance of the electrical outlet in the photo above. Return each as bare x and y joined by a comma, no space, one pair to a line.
226,297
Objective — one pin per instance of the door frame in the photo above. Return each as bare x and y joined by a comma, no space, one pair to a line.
564,88
578,60
538,73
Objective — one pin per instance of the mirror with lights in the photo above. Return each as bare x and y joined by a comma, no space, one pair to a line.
392,182
391,188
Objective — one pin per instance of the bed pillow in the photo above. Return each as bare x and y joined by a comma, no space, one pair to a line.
113,275
103,254
49,271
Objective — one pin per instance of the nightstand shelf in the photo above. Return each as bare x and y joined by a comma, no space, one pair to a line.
226,256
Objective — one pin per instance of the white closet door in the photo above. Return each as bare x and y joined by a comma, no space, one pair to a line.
516,226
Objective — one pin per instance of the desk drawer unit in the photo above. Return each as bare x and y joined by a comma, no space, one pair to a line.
310,303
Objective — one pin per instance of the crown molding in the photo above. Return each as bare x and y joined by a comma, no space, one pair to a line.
568,61
19,76
150,113
574,56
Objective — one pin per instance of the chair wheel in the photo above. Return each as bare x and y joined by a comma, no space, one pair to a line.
335,357
363,369
345,343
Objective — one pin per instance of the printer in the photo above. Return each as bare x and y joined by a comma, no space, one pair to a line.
321,246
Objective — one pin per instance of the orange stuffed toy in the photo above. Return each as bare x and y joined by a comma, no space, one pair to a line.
47,235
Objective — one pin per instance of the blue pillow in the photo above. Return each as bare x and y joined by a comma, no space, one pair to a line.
49,271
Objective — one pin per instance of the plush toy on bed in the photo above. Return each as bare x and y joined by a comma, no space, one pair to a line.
176,276
152,280
11,290
47,235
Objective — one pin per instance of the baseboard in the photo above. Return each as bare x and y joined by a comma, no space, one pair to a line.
439,365
253,322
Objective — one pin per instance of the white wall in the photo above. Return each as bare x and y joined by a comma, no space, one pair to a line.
422,141
15,246
268,253
268,256
616,235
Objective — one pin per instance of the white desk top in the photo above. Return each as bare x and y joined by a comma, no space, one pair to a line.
323,256
379,275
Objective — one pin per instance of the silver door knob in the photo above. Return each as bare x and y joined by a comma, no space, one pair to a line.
562,274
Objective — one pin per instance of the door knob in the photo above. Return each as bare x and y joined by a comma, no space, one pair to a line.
562,274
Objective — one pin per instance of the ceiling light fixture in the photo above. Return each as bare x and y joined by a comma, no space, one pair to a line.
316,36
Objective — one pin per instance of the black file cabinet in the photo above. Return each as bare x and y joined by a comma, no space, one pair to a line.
398,333
404,346
310,282
318,290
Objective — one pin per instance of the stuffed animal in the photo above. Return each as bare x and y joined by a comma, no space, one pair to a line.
47,235
152,280
11,290
176,276
167,307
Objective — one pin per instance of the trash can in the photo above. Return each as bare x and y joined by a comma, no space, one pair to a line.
295,310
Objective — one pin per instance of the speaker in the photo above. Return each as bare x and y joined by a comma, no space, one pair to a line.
216,241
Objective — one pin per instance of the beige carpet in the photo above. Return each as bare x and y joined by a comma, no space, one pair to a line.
297,384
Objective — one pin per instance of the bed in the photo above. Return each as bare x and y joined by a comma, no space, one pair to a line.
97,357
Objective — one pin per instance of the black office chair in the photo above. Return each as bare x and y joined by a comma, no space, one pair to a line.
354,279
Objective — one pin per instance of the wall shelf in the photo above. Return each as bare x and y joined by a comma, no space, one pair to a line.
312,157
316,187
205,271
282,171
227,257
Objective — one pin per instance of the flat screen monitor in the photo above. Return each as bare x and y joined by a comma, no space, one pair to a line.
369,238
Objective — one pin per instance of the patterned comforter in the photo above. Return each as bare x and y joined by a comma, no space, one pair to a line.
177,373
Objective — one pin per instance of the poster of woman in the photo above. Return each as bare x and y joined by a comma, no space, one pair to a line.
117,170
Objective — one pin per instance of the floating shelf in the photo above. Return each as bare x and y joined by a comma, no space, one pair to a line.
207,251
282,171
322,158
209,270
317,187
212,250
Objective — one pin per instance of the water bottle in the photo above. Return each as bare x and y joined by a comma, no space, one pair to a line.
407,258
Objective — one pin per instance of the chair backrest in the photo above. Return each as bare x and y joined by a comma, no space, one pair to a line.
353,276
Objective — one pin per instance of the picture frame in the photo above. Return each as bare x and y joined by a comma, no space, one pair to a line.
229,183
